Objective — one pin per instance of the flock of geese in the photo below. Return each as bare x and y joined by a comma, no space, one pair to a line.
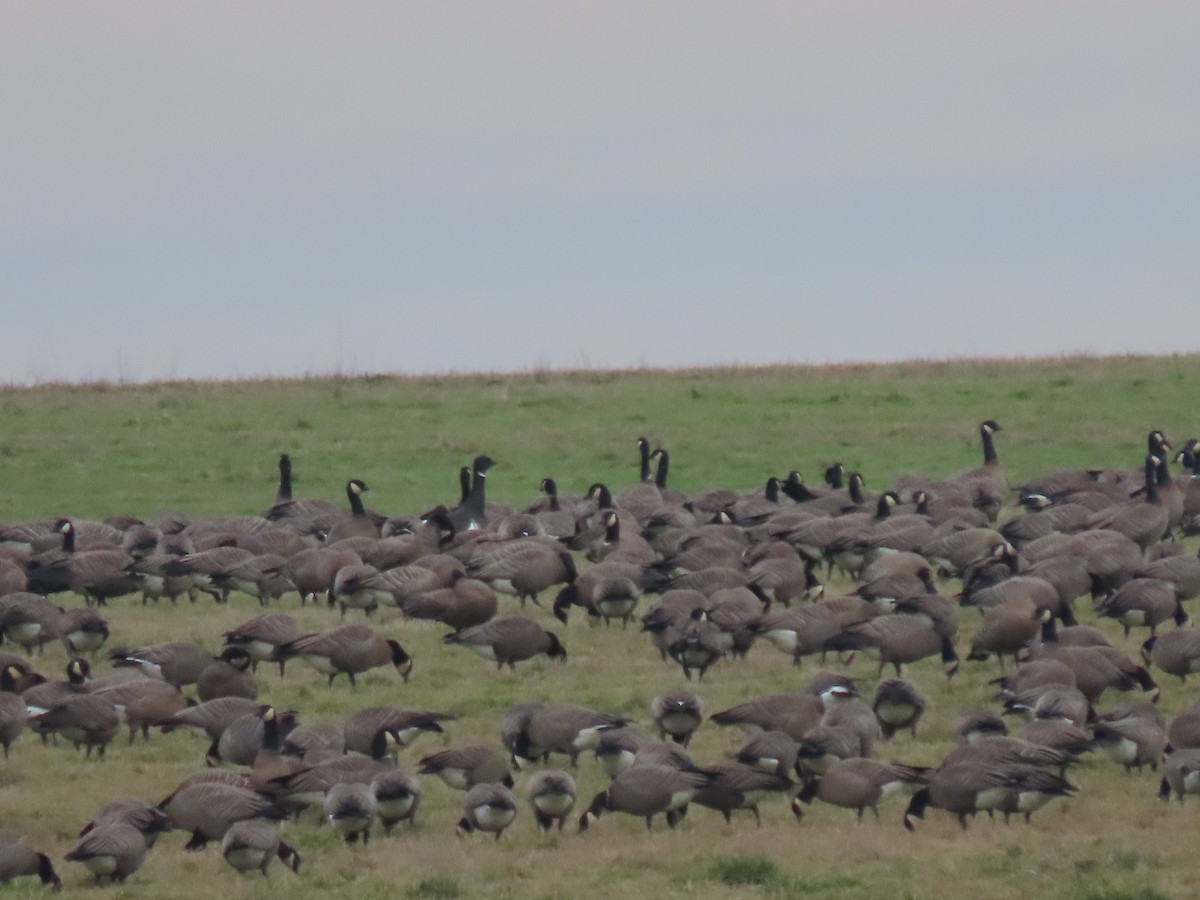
726,571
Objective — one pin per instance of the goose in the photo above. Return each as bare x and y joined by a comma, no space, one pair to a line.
733,785
13,717
214,716
1144,603
551,795
508,640
227,676
84,630
251,844
524,567
88,721
312,570
467,765
350,810
288,507
677,713
967,787
617,749
464,603
1144,520
487,807
770,751
859,783
178,663
471,513
149,820
1181,774
699,644
565,728
897,639
1132,742
349,650
18,859
397,795
208,809
898,704
608,590
360,522
402,724
1176,653
646,791
113,851
144,703
793,713
261,635
1006,629
30,621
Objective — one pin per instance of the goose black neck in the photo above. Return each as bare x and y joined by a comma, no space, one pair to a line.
644,453
660,474
834,475
356,504
771,491
855,487
1151,475
989,446
464,484
285,478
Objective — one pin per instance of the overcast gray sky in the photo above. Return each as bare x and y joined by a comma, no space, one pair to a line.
227,189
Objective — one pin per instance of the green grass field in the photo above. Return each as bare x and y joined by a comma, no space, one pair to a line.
206,449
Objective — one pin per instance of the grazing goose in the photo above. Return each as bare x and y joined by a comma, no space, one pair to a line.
677,713
397,795
487,807
551,795
207,809
312,571
350,810
1176,652
88,721
464,603
84,630
227,676
149,820
262,635
113,851
13,717
565,728
214,716
467,765
897,639
18,859
144,703
859,784
178,663
251,844
349,650
403,725
1132,742
524,567
968,787
509,640
646,791
897,704
734,785
1181,775
1143,603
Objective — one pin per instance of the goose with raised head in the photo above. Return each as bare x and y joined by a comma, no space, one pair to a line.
471,513
1143,520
